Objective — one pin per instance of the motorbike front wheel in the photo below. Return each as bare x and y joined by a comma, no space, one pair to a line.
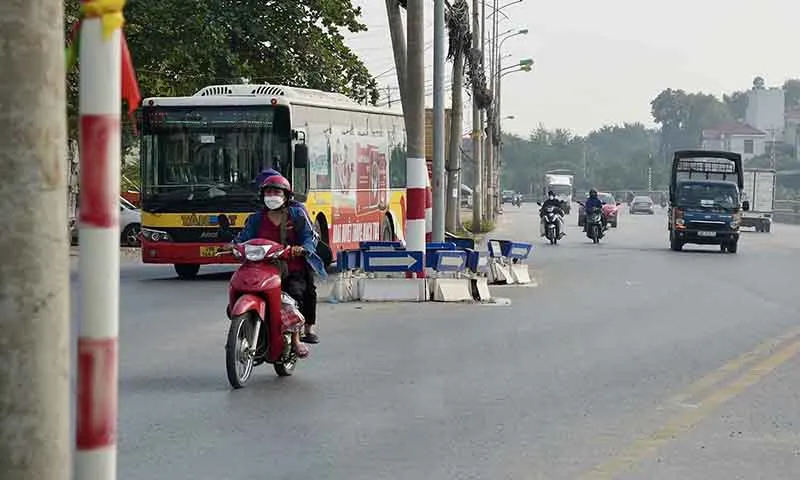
239,353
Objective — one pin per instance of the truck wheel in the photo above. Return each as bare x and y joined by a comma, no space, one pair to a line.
674,244
186,271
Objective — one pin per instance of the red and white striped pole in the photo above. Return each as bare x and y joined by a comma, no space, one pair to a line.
100,104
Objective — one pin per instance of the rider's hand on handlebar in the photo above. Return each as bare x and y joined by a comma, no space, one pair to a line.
298,251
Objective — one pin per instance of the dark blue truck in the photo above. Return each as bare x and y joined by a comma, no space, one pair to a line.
705,202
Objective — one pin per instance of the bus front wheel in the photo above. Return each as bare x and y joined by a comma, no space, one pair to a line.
186,271
387,230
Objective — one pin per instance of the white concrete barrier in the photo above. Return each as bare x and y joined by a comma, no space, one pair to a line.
480,289
450,289
392,290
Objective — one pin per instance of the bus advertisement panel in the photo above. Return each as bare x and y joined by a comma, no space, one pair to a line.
201,154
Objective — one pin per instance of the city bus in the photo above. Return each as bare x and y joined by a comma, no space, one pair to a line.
200,156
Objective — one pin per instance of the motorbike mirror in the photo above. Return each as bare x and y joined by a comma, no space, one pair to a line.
539,203
746,205
618,204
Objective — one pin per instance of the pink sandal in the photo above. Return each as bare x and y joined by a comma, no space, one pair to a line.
301,351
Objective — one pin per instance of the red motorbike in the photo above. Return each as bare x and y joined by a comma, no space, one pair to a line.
262,316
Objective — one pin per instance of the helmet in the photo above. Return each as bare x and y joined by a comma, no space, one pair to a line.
276,182
592,193
550,193
263,176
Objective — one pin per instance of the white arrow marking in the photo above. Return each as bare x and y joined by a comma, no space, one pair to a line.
404,261
447,261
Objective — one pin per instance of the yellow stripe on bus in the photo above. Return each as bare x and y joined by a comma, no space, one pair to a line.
190,220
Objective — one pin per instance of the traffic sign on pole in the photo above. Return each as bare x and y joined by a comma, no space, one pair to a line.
392,261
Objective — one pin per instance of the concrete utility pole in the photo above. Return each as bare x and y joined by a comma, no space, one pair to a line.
477,127
34,254
454,153
417,170
398,36
439,133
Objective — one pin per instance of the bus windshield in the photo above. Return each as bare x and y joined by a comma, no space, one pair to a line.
194,154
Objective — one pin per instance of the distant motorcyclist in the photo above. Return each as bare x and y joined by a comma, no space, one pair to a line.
552,201
594,202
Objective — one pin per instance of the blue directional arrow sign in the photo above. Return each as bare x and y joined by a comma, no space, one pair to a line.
477,262
450,260
496,248
518,250
392,261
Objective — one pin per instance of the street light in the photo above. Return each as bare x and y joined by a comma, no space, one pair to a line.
524,65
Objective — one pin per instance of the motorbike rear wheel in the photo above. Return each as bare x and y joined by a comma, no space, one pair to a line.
239,351
286,367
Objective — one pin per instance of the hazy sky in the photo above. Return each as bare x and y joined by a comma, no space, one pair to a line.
600,62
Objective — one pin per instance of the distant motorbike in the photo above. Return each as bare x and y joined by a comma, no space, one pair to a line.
594,224
262,316
516,201
551,230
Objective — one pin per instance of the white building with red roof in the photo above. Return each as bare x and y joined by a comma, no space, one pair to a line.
738,137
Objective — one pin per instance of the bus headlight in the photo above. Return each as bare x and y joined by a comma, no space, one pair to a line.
155,235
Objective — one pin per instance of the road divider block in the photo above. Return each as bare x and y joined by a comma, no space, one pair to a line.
450,289
480,289
507,262
392,290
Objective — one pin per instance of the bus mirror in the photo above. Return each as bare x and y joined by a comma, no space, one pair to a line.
746,206
301,155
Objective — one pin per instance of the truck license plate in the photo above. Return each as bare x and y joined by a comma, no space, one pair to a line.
706,234
208,251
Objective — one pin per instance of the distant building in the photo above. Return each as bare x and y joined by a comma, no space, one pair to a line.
765,112
741,138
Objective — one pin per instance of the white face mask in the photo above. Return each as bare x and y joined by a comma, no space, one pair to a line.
273,203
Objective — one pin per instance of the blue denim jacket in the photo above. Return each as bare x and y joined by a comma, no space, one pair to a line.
306,236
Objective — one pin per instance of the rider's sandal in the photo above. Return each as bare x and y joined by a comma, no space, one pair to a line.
310,338
302,351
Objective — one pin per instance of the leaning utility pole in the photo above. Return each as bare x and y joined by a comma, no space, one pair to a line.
454,149
439,134
398,36
34,253
477,128
417,169
459,36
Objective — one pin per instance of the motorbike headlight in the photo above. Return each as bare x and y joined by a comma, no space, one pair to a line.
254,253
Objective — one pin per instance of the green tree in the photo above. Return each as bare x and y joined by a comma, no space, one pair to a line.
180,46
683,116
791,90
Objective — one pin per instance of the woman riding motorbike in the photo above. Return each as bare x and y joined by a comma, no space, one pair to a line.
287,223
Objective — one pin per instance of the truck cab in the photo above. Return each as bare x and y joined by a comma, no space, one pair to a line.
705,199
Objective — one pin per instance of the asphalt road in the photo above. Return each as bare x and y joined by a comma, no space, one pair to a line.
628,361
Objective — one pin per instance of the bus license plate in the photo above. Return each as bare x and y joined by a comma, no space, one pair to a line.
208,251
706,234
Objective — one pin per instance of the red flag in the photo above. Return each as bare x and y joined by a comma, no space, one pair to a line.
130,87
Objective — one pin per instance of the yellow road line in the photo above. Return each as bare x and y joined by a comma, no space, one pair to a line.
646,447
731,367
